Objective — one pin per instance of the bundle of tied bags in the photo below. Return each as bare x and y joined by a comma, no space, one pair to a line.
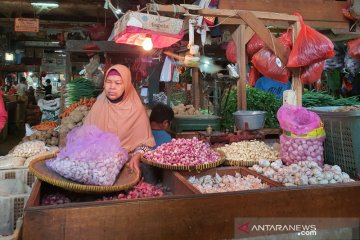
303,136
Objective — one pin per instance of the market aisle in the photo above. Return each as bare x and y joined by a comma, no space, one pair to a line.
10,142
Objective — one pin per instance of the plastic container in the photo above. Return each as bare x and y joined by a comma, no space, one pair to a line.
13,197
195,123
22,174
249,120
342,145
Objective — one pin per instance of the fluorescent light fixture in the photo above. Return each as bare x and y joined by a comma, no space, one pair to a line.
55,42
9,57
45,3
59,51
53,5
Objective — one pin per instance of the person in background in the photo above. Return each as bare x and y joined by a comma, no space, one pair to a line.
3,113
21,88
13,88
160,122
119,110
31,96
48,87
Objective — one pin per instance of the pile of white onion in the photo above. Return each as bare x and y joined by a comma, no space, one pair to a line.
302,173
226,183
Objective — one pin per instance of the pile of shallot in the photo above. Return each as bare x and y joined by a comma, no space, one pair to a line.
294,150
142,190
302,173
91,157
183,152
226,183
54,199
249,151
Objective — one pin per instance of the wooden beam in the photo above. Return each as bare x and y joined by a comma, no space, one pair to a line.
196,87
249,33
239,39
223,12
312,10
320,25
260,29
104,46
296,82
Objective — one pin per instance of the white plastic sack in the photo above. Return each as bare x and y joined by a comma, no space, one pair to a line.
166,72
50,109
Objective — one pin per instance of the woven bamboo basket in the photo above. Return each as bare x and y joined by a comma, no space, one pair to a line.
125,180
197,168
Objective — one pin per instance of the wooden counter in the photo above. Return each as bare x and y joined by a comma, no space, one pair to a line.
184,215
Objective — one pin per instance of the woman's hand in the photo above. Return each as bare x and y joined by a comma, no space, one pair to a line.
135,162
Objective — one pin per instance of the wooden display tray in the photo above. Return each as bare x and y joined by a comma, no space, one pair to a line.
183,176
184,215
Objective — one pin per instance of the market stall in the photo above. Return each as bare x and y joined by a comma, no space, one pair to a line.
212,182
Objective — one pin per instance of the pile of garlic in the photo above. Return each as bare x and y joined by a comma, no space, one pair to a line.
226,183
249,151
29,149
301,173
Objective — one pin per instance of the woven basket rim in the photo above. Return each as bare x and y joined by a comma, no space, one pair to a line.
237,163
197,168
78,187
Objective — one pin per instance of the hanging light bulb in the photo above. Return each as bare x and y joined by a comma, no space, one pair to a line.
147,43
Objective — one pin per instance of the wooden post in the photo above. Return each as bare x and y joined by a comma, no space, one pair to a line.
296,83
68,73
196,88
239,38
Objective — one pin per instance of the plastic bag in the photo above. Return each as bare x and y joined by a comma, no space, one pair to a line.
254,45
265,62
91,156
310,47
312,73
351,64
286,38
294,150
297,119
253,76
167,70
354,48
231,52
10,161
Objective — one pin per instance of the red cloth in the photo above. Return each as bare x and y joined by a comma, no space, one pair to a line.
3,113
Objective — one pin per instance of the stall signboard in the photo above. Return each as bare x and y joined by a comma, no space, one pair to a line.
26,25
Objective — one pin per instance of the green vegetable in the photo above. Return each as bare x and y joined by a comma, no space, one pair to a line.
256,100
263,101
322,99
77,89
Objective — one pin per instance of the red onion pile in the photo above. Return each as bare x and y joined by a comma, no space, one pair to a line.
183,152
294,150
54,199
142,190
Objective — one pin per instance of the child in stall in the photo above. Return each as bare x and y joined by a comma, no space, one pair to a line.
160,122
